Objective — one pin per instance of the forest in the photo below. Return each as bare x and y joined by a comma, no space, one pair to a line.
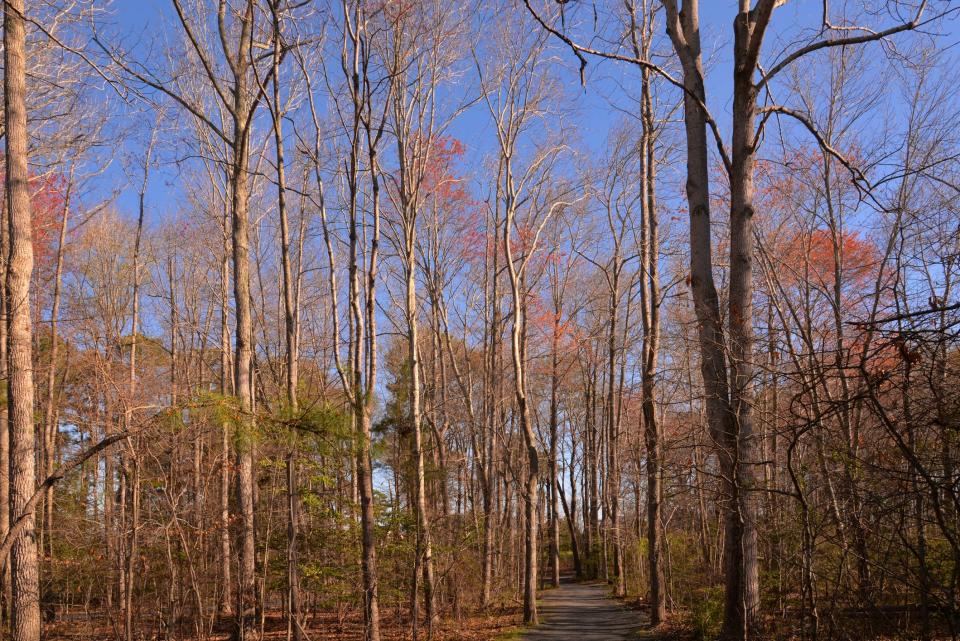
383,320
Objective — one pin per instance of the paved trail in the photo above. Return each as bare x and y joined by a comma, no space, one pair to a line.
584,612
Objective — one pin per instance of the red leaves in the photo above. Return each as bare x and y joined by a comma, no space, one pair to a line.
813,256
48,195
440,181
444,191
803,197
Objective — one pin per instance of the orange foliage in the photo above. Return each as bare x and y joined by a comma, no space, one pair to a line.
812,256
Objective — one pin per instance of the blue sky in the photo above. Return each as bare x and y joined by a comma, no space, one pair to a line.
592,116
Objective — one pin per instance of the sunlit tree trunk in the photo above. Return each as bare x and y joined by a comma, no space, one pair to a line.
226,377
24,564
291,332
531,491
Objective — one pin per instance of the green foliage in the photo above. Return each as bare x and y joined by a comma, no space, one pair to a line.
226,410
396,534
219,408
172,419
326,550
706,615
314,427
324,419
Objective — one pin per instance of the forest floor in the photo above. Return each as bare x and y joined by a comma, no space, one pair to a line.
585,612
325,627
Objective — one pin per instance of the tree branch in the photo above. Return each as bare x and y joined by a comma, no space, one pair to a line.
849,40
579,50
19,526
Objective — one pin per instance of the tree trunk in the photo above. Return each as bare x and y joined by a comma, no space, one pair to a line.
7,578
246,587
291,331
226,376
531,550
132,477
424,547
570,514
4,410
613,427
492,397
554,439
650,304
684,31
364,333
50,412
25,605
741,610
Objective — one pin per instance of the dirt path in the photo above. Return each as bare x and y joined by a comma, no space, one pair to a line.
584,612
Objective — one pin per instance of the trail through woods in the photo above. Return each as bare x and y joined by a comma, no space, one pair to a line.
584,612
361,320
